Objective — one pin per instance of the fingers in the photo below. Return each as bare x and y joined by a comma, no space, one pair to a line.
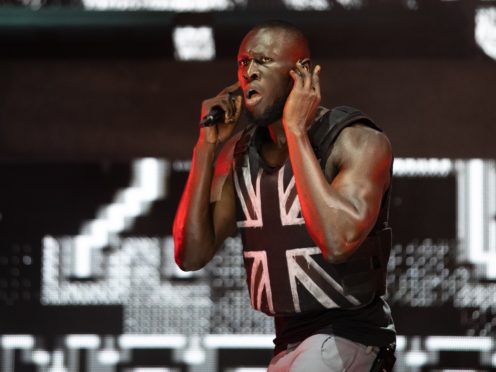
228,109
231,104
229,115
234,109
296,79
316,79
298,74
228,103
306,79
230,89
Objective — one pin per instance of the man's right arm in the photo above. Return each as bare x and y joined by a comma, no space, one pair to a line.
200,226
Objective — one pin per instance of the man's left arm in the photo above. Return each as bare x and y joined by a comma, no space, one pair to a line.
339,214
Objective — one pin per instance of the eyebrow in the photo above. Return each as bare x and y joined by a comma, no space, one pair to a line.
255,55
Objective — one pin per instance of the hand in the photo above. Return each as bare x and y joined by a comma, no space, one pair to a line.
218,133
301,105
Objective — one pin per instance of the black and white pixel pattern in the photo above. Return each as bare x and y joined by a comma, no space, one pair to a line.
134,310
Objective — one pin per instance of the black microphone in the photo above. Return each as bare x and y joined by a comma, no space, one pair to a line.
216,115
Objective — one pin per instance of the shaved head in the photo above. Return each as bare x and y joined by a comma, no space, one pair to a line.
290,31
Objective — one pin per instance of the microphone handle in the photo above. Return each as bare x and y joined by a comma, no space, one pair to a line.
215,116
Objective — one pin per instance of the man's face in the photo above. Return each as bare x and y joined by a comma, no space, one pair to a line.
265,58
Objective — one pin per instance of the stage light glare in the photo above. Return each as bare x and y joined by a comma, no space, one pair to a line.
239,341
415,358
82,341
454,343
17,342
194,354
485,30
400,343
424,167
165,5
109,357
40,357
57,362
307,4
81,263
194,43
134,341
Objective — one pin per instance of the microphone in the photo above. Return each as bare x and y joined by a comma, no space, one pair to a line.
216,113
215,116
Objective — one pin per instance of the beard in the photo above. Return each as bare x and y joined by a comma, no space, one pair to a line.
271,114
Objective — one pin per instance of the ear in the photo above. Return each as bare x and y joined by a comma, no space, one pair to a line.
306,63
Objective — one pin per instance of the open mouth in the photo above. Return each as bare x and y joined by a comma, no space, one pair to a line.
252,97
251,93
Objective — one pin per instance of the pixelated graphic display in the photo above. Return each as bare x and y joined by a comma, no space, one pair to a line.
88,280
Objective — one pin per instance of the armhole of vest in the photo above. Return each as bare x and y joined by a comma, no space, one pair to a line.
336,128
244,140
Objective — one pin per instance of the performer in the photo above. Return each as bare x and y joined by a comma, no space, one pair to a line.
308,189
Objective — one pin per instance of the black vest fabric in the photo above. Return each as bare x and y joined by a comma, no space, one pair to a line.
286,272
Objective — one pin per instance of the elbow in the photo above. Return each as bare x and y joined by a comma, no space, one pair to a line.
189,256
183,261
186,265
339,250
182,265
337,254
339,240
180,249
341,244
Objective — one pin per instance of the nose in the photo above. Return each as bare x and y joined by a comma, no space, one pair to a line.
251,72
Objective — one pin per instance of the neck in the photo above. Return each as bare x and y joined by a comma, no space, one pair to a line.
277,134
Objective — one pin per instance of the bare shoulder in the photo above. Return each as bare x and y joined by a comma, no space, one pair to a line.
360,151
360,142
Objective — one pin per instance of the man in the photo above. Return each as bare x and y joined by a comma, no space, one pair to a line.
308,191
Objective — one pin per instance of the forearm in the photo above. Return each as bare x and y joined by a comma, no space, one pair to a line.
193,231
333,222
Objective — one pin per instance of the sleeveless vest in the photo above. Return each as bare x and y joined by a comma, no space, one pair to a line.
286,271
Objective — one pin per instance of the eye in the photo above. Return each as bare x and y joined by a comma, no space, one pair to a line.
265,59
244,62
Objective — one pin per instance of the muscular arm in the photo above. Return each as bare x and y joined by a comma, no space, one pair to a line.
339,215
200,226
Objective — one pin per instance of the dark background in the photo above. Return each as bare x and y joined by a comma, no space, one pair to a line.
92,85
